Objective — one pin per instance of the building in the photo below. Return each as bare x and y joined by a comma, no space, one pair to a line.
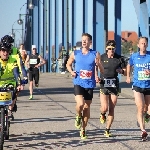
125,36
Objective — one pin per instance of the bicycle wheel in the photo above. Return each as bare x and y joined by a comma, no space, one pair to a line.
2,119
7,125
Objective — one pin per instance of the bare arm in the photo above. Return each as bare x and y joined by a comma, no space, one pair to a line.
128,71
69,64
27,62
42,60
98,62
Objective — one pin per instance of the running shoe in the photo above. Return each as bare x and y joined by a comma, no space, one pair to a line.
78,122
83,134
31,97
107,133
144,135
36,85
147,118
102,118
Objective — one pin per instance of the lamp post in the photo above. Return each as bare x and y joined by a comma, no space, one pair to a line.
32,5
20,22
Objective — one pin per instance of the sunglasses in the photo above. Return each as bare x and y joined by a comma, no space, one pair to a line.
110,48
34,48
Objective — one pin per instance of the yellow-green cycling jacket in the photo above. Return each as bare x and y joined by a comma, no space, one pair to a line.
9,72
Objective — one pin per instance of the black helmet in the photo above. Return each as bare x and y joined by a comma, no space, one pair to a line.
111,43
5,46
7,39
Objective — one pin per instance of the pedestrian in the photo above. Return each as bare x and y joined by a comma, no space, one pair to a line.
46,59
84,80
114,64
64,59
141,81
33,64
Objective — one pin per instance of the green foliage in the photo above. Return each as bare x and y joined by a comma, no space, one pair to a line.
126,45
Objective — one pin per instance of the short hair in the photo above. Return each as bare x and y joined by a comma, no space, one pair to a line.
88,35
111,43
143,37
74,46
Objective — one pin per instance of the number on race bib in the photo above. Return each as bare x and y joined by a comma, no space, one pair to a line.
110,83
33,61
85,74
143,76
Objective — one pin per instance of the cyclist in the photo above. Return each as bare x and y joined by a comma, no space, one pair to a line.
9,72
15,54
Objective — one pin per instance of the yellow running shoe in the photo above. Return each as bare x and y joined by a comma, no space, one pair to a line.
78,122
83,134
147,118
31,97
107,133
102,119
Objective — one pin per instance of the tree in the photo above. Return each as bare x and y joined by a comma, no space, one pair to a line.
126,45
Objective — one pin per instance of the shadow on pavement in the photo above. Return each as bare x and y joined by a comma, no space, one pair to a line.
68,138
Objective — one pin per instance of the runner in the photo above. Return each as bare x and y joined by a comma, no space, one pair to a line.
109,84
141,81
84,80
33,63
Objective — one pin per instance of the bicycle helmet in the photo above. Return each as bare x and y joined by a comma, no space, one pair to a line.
7,39
5,46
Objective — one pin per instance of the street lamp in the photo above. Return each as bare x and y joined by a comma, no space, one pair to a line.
20,22
30,6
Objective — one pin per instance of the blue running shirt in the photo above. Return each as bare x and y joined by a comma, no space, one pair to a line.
140,63
85,69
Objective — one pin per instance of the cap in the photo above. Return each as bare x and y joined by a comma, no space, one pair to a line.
33,46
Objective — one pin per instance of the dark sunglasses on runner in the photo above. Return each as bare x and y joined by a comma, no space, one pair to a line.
110,48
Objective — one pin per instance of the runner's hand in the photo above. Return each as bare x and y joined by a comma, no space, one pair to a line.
128,80
36,66
73,73
120,71
20,87
147,72
98,79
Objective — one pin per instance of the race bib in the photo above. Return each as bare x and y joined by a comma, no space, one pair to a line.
110,82
33,61
85,74
143,76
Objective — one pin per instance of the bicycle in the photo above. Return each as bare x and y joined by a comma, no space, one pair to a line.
5,101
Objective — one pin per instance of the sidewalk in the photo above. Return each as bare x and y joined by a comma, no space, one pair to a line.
47,122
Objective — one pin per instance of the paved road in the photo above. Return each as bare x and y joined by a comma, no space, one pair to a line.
47,122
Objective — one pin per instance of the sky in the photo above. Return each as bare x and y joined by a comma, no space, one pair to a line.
10,10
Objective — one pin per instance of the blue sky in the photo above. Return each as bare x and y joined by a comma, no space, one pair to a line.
10,9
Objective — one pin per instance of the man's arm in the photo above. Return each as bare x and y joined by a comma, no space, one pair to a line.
42,60
98,62
69,64
17,75
22,67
